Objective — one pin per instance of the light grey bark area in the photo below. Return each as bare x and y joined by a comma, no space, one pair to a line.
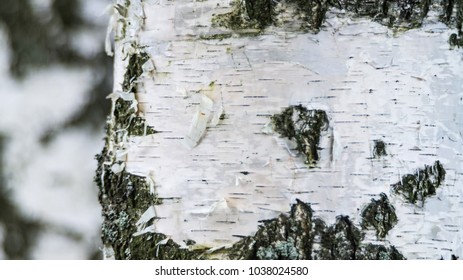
282,130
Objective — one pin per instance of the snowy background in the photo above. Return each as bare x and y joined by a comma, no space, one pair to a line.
54,77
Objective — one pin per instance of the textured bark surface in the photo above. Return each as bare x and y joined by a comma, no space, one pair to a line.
193,165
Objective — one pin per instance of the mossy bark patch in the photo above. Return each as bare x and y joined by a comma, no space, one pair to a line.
415,188
293,236
304,126
380,215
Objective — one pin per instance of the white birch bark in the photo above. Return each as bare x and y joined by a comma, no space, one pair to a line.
219,166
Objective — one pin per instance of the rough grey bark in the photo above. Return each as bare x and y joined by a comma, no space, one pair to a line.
295,235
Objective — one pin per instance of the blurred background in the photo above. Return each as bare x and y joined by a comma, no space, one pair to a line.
54,78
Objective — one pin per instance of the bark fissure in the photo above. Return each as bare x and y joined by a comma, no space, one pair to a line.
397,14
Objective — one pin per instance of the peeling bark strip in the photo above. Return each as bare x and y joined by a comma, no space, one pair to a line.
415,188
124,196
305,126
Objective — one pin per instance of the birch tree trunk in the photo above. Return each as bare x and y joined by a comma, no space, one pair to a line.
265,129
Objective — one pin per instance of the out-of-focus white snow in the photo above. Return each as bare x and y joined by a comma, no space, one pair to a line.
53,183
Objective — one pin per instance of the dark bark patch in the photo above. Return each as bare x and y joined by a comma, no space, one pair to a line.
423,183
293,236
379,149
313,11
305,127
379,215
401,14
341,240
249,14
456,40
124,113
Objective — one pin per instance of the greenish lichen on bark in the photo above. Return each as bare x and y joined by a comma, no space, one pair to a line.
304,126
300,236
423,183
379,215
122,195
